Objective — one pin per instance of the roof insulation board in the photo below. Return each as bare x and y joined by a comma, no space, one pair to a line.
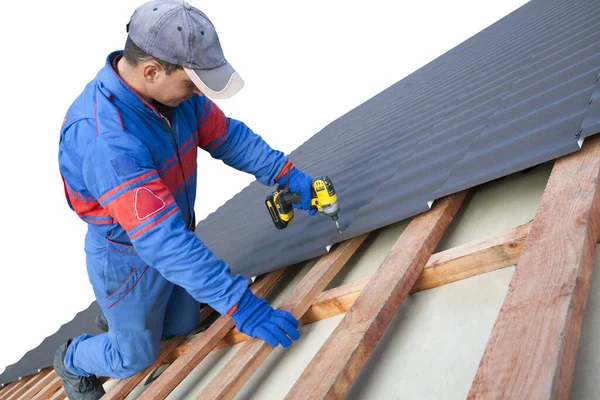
517,94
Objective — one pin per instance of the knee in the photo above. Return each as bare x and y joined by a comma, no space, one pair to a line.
131,358
127,366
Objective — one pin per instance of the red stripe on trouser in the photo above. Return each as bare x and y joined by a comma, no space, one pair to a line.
130,289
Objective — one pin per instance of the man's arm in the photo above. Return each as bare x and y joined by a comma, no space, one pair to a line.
120,174
237,145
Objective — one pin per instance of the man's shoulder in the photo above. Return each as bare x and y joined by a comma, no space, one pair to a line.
82,107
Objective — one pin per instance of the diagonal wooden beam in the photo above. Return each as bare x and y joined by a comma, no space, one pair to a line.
60,394
203,344
39,385
5,387
9,389
474,258
236,372
532,349
29,384
338,362
18,388
50,388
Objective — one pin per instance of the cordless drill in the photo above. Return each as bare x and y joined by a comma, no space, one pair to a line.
323,198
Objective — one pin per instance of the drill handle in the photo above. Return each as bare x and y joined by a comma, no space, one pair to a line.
291,198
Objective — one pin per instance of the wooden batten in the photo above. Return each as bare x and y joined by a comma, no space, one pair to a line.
532,349
340,359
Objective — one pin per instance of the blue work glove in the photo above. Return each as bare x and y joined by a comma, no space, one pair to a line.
257,319
299,183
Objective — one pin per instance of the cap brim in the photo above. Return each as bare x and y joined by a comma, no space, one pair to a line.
217,83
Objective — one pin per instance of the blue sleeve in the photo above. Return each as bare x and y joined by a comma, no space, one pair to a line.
119,172
237,145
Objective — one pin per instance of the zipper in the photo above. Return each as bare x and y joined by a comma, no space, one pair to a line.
176,148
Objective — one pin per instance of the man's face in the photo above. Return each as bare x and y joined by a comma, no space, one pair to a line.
171,90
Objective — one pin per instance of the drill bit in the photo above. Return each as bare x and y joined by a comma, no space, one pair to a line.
335,219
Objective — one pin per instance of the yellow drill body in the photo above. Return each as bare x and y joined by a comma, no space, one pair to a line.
324,199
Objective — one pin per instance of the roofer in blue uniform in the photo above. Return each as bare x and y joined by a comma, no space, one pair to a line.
127,155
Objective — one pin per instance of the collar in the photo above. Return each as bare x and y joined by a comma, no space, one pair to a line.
111,84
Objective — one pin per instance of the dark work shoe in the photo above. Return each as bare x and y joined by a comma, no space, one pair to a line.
77,387
101,322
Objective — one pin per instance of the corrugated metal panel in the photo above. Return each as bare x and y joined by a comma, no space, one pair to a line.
43,355
513,96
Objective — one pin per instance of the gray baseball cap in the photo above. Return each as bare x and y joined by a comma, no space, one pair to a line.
180,34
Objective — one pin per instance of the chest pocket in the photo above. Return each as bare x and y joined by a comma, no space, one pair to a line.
123,270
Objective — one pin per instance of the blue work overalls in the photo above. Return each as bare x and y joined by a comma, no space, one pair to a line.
130,173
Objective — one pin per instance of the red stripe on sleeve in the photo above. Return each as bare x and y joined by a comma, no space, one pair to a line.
213,127
288,165
121,186
135,206
153,224
84,206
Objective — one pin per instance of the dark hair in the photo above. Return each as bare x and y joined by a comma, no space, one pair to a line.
134,55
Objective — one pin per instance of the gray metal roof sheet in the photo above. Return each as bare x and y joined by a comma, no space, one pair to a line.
513,96
519,93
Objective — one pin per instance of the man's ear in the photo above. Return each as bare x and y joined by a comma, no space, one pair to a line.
152,71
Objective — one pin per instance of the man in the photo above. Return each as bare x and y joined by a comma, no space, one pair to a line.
127,156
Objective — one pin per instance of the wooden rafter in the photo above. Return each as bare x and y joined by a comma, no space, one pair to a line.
23,383
497,251
336,365
60,394
10,389
204,343
34,379
50,388
480,256
236,372
532,349
474,258
39,385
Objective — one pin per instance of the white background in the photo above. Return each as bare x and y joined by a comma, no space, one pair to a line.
304,63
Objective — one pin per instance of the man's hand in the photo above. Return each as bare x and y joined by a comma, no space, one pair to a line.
257,319
300,183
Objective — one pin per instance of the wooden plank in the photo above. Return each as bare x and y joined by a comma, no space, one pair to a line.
21,383
6,388
3,387
10,389
203,344
546,299
236,372
38,386
338,362
29,384
474,258
49,389
60,394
